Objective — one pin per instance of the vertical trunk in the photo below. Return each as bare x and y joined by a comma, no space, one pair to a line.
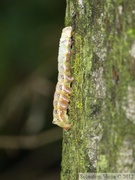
102,105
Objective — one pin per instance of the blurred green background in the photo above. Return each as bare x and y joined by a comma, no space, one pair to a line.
30,146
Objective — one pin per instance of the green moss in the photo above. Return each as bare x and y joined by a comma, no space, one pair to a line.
131,32
102,163
101,66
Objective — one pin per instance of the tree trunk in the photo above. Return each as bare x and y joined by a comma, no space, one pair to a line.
102,105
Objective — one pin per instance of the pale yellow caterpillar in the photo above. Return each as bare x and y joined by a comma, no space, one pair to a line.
63,90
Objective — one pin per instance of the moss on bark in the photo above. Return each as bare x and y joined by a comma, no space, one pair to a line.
102,109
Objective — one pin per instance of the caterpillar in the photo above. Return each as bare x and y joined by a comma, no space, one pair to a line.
63,90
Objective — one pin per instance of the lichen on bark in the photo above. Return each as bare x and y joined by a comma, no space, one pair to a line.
103,66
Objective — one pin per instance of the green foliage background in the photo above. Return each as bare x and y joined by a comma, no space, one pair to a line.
29,37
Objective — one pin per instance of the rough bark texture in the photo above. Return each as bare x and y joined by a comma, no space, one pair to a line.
102,107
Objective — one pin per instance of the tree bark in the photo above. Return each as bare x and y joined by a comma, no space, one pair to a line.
102,105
